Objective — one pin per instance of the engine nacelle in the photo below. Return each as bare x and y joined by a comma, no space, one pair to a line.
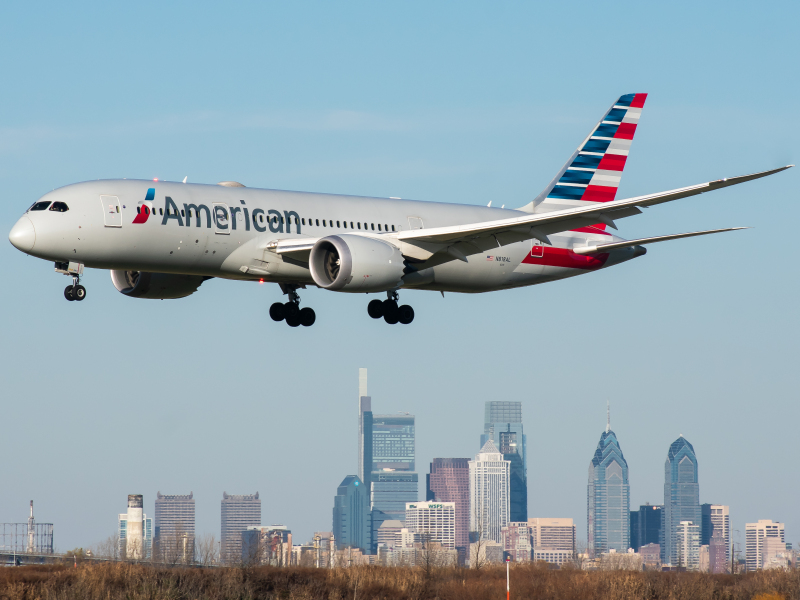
156,286
352,263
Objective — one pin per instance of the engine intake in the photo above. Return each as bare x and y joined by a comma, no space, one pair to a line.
353,263
156,286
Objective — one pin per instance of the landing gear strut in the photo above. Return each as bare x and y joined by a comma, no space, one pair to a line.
390,311
75,291
290,311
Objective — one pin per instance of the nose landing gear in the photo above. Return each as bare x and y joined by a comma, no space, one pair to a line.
75,291
290,311
390,311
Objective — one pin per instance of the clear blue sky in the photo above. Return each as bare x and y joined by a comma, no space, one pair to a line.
458,102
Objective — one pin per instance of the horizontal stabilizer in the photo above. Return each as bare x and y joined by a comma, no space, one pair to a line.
641,242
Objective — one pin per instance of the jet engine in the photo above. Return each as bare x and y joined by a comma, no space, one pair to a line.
157,286
353,263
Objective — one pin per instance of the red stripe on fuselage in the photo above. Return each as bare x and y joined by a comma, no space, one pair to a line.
564,257
597,229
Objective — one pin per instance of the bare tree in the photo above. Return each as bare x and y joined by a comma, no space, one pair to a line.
477,555
109,548
206,550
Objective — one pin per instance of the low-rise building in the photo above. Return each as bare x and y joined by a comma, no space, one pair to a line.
553,556
267,545
651,556
516,539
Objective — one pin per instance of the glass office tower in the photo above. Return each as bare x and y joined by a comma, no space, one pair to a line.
681,497
503,425
608,498
351,518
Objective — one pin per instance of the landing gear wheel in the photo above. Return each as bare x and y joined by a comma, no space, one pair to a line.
375,309
405,314
68,293
307,316
79,292
390,312
290,309
276,311
293,320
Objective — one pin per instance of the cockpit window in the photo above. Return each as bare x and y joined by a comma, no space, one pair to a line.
59,207
40,206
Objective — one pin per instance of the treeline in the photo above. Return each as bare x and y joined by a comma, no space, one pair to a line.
125,581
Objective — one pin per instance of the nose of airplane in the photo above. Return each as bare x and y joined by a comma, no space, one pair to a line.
23,235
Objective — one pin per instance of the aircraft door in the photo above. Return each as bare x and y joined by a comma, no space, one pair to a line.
415,222
537,249
222,221
112,215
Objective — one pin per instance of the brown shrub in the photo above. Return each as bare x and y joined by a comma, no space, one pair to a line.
124,581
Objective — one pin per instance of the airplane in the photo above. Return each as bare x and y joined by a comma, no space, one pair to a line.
162,240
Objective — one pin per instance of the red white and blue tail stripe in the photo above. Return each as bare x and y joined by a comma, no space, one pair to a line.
594,171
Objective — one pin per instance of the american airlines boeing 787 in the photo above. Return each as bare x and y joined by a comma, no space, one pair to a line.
162,239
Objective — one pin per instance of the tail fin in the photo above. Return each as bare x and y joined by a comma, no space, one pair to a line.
593,172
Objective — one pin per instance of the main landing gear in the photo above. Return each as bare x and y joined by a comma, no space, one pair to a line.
291,311
389,310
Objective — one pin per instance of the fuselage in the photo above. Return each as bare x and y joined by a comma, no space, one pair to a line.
220,231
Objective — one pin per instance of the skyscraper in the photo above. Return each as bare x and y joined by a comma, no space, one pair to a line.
757,537
386,461
687,546
364,430
351,515
608,497
448,481
716,518
503,425
646,526
175,527
681,496
238,513
489,493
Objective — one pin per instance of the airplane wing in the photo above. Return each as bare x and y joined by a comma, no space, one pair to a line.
461,240
642,241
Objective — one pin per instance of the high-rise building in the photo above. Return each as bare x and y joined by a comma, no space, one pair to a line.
364,430
516,538
386,461
716,518
488,492
238,513
448,481
435,522
646,526
553,534
681,497
608,498
717,554
135,531
502,424
687,546
758,536
351,515
175,527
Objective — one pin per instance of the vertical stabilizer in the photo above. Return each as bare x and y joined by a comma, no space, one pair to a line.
594,171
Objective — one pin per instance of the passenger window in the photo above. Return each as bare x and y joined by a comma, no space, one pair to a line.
296,221
182,213
161,211
317,222
379,226
304,221
345,224
351,225
337,224
359,225
40,206
392,227
59,207
385,227
323,223
373,227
